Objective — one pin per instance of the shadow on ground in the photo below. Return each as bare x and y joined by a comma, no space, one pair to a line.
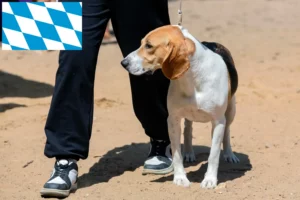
227,171
16,86
115,163
8,106
130,157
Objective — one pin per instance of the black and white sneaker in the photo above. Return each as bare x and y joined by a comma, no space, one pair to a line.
159,160
63,179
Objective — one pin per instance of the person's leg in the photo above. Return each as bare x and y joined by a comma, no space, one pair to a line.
132,20
69,124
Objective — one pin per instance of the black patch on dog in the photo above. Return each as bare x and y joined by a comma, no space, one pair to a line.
226,55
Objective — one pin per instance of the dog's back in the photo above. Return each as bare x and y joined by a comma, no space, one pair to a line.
226,55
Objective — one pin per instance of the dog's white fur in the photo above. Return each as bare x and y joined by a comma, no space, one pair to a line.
200,95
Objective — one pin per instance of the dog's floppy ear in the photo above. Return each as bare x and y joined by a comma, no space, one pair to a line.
176,61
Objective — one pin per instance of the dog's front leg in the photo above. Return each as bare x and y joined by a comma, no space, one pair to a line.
210,179
175,134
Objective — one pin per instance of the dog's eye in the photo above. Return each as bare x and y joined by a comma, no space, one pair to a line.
148,46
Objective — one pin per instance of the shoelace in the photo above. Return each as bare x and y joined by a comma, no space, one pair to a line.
60,173
60,169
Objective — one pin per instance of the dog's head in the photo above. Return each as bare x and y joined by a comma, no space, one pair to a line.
164,48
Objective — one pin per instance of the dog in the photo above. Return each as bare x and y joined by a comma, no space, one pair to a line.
203,83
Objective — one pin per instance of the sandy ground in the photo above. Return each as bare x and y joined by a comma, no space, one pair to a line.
264,38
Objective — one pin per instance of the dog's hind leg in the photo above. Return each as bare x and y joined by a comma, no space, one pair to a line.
230,114
189,155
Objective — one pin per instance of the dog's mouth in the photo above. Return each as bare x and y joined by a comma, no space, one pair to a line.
145,72
149,71
152,71
139,72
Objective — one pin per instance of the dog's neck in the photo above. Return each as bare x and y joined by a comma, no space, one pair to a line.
190,81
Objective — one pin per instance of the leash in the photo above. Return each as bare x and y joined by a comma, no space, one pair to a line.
180,13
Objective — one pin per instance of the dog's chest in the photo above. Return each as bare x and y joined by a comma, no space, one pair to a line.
187,103
192,113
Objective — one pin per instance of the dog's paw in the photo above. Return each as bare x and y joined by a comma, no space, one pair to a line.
230,157
189,157
209,182
181,180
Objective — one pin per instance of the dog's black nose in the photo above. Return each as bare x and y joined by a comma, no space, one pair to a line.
125,63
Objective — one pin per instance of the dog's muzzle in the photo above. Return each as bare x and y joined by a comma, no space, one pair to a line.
134,68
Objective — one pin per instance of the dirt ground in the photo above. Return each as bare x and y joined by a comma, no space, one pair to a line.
264,38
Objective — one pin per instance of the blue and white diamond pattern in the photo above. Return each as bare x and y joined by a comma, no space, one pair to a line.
42,26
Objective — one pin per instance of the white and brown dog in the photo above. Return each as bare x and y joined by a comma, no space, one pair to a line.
203,83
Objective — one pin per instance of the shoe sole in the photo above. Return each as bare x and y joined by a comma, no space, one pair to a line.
158,172
46,192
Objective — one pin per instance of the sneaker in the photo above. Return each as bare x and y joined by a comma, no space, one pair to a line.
63,179
159,160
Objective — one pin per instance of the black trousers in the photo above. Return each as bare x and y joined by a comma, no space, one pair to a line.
69,124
